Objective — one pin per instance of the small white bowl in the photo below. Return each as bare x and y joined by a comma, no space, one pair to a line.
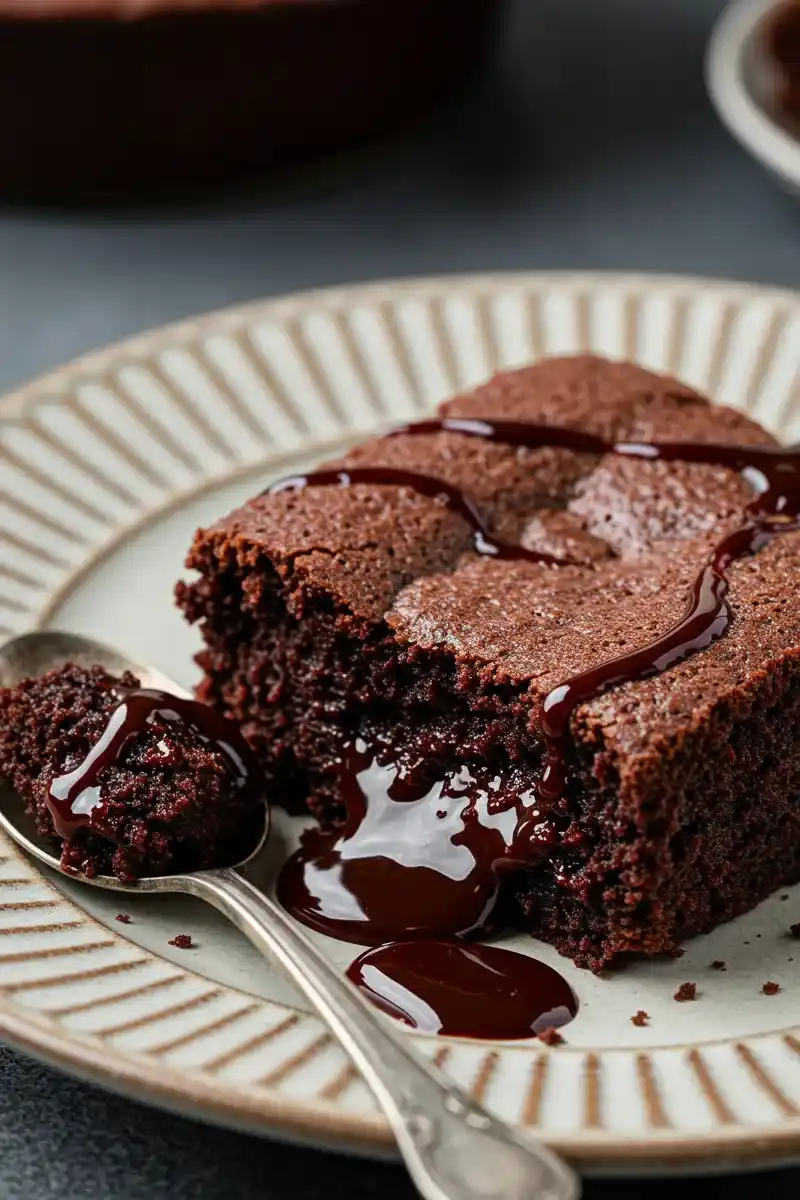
742,81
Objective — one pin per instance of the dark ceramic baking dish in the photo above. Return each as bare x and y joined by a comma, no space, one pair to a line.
98,104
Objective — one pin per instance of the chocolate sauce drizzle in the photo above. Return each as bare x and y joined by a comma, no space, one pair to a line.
426,485
75,799
391,874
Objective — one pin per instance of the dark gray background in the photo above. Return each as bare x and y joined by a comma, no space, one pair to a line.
591,145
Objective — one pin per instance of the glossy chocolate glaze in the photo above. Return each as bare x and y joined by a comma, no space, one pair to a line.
418,855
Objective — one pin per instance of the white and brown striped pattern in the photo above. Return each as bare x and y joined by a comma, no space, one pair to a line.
93,455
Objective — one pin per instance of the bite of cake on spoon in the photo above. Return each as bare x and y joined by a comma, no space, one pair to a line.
134,781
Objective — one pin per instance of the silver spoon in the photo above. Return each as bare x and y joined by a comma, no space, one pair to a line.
453,1148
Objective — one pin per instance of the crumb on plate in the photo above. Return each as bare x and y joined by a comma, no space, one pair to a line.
182,940
550,1037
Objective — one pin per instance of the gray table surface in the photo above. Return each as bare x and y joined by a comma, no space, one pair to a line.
591,145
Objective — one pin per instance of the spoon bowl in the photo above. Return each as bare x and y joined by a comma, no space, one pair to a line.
453,1148
34,653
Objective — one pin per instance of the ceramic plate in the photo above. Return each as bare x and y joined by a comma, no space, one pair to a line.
107,466
742,83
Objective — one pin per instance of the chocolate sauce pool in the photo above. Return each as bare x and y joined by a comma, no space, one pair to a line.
75,799
421,856
464,990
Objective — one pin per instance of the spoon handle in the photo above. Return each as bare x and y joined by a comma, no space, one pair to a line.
453,1148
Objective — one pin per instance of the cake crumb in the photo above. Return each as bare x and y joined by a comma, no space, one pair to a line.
770,988
687,991
550,1037
719,964
794,930
182,940
640,1018
123,917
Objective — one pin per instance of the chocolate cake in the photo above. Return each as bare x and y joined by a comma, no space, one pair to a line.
134,782
112,97
782,38
534,662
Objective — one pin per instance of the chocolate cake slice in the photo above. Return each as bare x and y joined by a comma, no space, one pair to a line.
366,612
133,782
